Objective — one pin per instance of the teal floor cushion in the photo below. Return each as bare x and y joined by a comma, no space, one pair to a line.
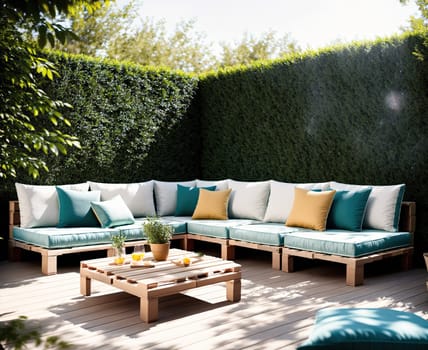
179,223
215,228
347,243
371,328
69,237
268,233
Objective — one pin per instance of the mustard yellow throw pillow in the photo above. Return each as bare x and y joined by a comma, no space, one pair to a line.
212,205
310,209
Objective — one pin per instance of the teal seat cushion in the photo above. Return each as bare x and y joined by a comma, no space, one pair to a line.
69,237
187,198
215,228
75,208
113,212
367,329
348,209
347,243
178,223
265,233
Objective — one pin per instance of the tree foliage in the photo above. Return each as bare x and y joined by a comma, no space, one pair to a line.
251,48
184,49
95,30
21,98
419,24
117,33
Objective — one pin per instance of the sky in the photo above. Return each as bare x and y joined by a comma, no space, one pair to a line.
311,23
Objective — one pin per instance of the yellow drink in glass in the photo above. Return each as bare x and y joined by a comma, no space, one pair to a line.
138,253
119,260
137,256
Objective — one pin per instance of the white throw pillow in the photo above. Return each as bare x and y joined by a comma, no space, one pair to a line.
38,204
248,200
383,206
281,198
138,197
221,185
166,196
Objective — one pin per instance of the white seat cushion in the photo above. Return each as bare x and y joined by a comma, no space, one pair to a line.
38,204
138,197
248,200
166,196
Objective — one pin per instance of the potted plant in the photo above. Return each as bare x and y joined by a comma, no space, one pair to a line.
118,243
158,236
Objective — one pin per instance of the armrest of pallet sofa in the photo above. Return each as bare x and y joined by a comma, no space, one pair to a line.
408,217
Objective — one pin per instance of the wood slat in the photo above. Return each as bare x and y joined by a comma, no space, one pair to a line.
165,272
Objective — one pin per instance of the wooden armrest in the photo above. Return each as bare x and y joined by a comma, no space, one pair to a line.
408,217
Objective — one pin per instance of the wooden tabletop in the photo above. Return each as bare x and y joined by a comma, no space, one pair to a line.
154,279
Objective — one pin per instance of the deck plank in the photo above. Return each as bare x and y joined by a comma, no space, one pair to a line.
276,310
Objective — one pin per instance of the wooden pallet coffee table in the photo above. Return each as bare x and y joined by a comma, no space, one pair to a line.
164,278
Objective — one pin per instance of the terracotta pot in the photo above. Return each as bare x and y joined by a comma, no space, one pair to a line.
160,251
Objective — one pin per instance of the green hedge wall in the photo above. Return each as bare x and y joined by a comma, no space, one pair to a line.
133,123
355,114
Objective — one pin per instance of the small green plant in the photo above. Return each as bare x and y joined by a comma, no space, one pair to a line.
16,334
156,231
118,241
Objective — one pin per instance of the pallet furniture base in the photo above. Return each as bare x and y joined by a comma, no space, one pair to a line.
354,266
49,256
165,278
227,252
276,251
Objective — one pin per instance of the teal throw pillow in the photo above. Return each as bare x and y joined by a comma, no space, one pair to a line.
75,208
113,212
187,198
348,210
367,328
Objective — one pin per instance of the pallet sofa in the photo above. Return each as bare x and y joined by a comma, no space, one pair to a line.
362,224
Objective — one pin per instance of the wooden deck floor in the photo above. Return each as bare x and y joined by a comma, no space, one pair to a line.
276,311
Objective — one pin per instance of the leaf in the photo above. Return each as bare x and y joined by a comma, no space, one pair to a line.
42,36
51,39
54,149
53,120
52,10
61,148
49,74
61,36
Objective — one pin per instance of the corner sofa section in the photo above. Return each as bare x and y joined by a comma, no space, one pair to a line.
257,213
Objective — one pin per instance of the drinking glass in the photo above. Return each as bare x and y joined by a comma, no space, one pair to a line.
138,253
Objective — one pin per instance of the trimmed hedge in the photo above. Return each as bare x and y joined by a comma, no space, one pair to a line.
133,122
355,114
